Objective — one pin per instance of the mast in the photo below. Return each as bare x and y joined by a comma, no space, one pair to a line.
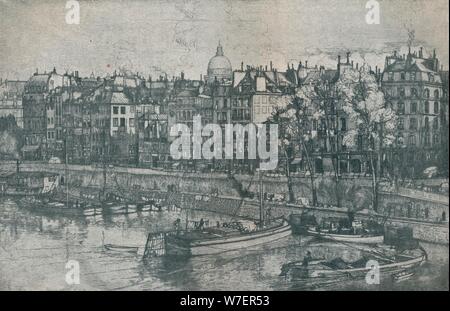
261,200
103,167
66,171
187,212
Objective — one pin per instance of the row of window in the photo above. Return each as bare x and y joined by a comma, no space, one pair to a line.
318,126
51,135
123,109
401,92
122,122
413,123
34,124
409,76
241,102
264,109
240,114
401,108
412,140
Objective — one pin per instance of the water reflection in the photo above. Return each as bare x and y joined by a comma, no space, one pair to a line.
34,249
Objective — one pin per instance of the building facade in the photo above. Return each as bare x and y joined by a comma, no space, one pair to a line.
11,93
413,88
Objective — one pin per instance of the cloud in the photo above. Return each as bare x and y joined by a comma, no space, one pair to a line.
182,35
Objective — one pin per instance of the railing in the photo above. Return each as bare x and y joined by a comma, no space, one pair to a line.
416,194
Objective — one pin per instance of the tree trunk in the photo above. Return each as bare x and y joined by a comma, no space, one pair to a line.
289,179
335,163
313,187
374,185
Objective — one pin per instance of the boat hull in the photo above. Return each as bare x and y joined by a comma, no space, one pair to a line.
304,273
122,249
175,246
387,268
348,238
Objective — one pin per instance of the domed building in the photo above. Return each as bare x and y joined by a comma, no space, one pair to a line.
219,67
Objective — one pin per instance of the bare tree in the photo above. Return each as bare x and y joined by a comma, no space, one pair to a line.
294,124
374,122
323,95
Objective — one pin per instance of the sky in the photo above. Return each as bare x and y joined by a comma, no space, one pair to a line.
156,37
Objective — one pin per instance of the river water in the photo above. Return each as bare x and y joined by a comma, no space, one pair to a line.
35,248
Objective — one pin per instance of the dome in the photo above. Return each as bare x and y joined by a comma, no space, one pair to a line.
219,67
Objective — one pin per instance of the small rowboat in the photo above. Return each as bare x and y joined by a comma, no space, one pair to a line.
349,238
402,276
121,248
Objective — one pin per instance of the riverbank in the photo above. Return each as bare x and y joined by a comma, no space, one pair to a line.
428,217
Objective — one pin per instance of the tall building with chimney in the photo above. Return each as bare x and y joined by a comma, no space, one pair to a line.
413,87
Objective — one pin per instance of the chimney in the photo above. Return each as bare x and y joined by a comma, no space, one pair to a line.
182,75
306,64
339,63
300,64
348,58
271,67
421,52
242,66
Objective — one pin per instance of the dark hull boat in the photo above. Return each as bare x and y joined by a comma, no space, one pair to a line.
337,268
339,229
